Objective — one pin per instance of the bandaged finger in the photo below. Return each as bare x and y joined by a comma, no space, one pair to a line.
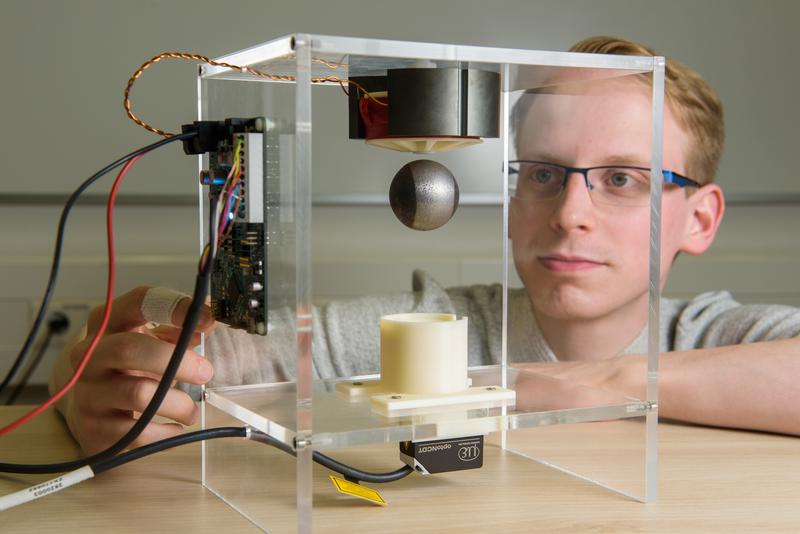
159,304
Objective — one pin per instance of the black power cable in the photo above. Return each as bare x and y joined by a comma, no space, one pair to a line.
37,357
109,458
86,472
189,324
168,443
51,283
58,323
356,475
243,432
164,386
350,473
188,327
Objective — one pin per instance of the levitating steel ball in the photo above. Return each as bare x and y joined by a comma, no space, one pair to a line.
424,194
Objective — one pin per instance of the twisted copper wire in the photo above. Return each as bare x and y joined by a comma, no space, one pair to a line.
247,70
329,64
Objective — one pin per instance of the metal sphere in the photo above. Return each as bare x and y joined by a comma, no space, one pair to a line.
424,194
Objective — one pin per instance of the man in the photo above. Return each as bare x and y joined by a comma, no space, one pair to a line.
580,248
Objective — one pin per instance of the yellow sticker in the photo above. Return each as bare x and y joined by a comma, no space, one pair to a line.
357,490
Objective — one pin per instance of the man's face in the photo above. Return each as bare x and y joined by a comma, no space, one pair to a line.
579,259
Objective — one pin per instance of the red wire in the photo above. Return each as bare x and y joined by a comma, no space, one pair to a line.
112,197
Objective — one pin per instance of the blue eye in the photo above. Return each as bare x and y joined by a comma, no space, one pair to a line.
625,182
543,175
620,179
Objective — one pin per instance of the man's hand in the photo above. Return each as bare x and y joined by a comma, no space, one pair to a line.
123,374
579,384
751,386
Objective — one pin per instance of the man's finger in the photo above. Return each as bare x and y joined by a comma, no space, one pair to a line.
133,394
170,334
130,351
126,313
206,321
145,304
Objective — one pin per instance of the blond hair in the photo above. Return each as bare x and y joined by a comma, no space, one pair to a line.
695,104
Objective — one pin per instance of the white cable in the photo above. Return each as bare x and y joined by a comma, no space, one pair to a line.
46,488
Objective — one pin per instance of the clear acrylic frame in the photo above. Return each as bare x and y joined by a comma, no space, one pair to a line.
277,491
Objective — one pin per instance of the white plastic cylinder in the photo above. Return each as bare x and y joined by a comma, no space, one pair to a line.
424,353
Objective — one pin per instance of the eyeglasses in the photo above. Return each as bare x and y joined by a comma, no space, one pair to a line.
617,185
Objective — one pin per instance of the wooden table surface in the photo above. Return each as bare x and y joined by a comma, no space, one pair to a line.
710,480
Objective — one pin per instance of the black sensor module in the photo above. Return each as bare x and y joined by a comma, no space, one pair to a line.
442,455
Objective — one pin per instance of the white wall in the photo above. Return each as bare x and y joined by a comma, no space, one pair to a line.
65,64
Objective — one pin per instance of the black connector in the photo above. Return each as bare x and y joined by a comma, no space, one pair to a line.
210,133
58,323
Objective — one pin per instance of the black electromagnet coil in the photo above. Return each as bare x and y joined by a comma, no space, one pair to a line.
426,102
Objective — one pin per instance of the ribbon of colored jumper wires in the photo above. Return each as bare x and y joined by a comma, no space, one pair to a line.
230,188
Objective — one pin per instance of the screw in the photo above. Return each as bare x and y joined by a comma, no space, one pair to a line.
491,388
358,383
395,397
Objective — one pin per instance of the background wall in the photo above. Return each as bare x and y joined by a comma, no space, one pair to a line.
65,65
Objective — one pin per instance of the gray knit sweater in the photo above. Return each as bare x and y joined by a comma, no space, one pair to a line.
346,334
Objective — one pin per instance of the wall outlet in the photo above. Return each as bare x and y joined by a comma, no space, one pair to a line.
76,311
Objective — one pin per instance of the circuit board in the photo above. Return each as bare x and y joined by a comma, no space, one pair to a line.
235,177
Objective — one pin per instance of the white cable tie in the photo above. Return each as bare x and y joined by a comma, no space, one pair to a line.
159,303
46,488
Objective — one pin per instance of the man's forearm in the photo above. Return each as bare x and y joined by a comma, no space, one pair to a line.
751,386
